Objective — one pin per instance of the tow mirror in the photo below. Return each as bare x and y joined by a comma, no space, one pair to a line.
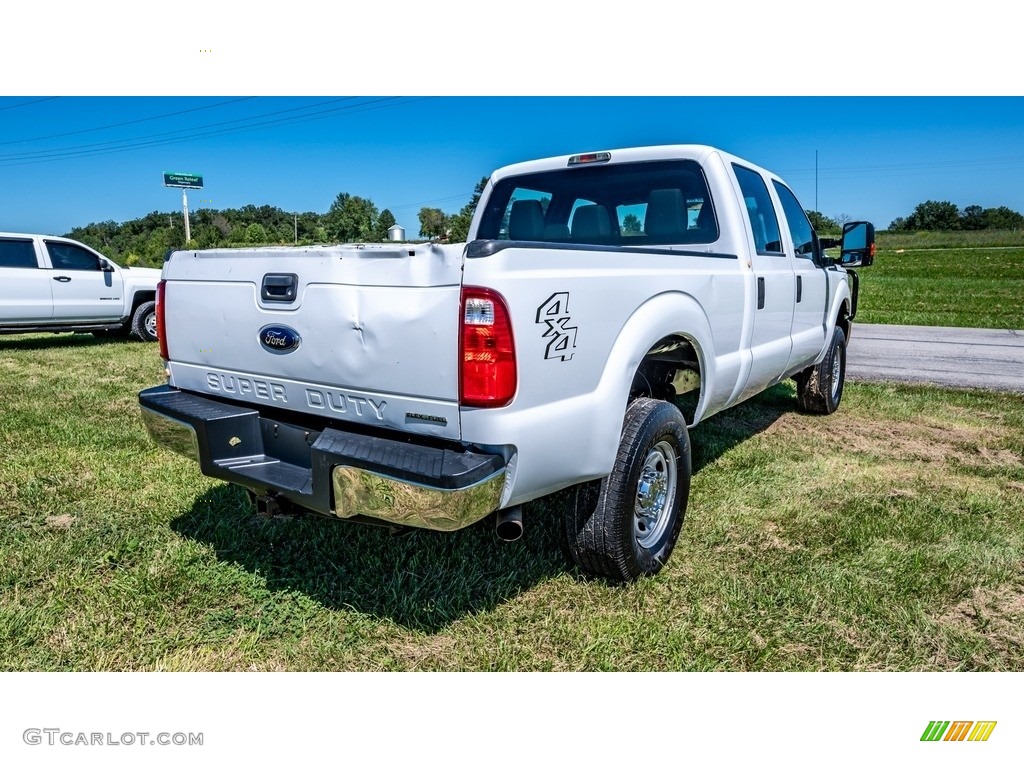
858,246
105,266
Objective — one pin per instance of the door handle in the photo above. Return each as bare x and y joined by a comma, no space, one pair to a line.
799,288
63,279
760,293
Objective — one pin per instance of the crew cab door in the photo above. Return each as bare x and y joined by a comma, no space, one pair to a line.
24,285
811,297
773,297
85,286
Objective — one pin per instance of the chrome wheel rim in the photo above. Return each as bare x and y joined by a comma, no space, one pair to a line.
836,371
151,323
655,494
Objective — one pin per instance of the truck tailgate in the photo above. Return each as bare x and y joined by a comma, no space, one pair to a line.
365,334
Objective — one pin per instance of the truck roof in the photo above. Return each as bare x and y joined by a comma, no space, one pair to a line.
698,152
36,234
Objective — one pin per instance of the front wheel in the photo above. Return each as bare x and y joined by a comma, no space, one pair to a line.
144,322
820,388
626,525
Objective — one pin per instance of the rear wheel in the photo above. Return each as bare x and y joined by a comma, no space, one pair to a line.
626,525
144,322
820,388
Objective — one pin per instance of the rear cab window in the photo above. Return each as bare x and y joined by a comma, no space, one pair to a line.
637,204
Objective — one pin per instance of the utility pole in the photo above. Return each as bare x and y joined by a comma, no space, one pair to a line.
295,217
184,206
816,182
183,181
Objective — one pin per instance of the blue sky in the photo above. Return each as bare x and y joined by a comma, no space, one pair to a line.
69,160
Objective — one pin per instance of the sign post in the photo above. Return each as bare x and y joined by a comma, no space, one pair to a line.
184,181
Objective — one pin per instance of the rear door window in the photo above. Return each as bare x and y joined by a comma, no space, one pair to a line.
760,211
18,254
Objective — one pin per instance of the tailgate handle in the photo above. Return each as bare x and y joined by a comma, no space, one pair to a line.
279,288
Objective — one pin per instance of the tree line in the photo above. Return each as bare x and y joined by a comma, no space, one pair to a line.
933,215
350,219
145,240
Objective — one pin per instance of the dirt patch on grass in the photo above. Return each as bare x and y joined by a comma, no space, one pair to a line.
922,439
995,615
426,652
60,522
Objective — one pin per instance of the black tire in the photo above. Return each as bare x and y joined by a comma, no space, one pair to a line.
144,321
820,387
626,525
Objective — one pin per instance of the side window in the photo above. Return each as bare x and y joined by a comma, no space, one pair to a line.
760,210
799,227
67,256
18,254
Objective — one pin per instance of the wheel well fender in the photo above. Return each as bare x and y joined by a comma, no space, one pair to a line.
839,312
669,315
140,298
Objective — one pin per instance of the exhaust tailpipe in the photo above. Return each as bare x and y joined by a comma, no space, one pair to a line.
508,523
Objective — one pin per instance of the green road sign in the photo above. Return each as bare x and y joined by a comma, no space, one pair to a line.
184,180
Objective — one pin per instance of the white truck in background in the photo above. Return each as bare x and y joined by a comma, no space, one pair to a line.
53,284
603,303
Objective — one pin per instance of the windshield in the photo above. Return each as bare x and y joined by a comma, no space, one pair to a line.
652,203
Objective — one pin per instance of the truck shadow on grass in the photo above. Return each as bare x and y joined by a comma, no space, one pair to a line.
710,439
424,580
40,341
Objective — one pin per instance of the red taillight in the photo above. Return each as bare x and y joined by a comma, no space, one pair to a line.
487,374
160,334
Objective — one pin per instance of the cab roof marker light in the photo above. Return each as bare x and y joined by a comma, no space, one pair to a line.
590,157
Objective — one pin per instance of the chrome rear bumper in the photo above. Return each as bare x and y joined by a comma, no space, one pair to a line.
349,475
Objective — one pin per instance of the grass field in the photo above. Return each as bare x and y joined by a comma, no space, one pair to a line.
964,287
888,536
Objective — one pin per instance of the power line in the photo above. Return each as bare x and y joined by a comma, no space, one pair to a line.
463,196
29,103
127,122
45,156
981,164
84,148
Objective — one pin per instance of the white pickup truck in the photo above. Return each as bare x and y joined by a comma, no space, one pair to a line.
53,284
604,303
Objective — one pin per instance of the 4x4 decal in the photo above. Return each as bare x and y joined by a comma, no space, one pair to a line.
554,314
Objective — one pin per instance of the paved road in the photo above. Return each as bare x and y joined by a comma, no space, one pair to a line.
950,357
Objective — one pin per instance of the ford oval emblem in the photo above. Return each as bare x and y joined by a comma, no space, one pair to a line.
279,339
